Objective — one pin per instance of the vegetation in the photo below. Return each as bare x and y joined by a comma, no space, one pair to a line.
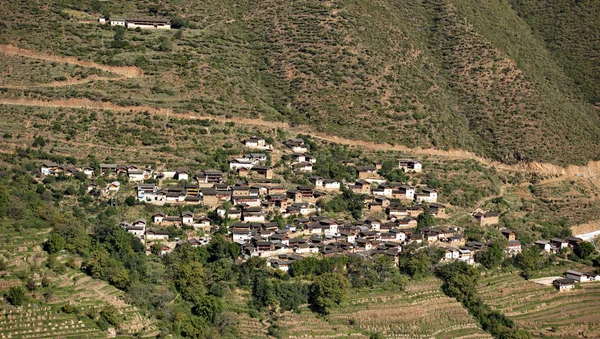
495,78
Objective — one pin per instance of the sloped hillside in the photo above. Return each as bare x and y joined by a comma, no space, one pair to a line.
438,73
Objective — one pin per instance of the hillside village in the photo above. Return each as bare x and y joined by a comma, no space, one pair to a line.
284,223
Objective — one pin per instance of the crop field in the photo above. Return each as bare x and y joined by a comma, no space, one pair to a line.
421,311
543,310
44,316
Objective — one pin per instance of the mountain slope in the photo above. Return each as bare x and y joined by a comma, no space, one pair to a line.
444,73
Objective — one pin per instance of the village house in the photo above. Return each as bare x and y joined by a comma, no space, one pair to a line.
559,244
135,175
303,167
581,277
152,234
113,187
241,236
360,187
88,171
410,165
208,178
383,190
513,247
331,184
237,164
574,241
437,210
187,218
366,172
317,181
450,254
48,168
257,142
485,218
145,23
108,169
265,172
282,265
253,214
509,234
564,284
543,245
427,195
181,175
117,22
296,145
246,200
255,158
202,223
298,158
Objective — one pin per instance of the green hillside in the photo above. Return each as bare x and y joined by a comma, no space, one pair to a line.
493,77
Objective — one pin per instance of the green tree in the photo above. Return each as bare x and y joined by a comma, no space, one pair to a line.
328,290
490,257
15,295
55,243
584,249
208,308
425,220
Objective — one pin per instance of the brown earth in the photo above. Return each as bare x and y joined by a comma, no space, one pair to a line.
126,71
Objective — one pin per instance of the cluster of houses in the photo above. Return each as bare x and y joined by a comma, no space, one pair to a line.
133,23
572,277
151,235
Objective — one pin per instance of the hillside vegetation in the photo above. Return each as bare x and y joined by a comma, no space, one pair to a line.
487,76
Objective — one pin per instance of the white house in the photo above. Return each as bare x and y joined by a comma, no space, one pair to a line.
428,195
236,164
581,277
241,237
148,23
410,165
256,142
156,235
136,175
331,184
317,181
564,284
202,223
117,22
181,175
451,254
88,171
113,187
303,167
187,218
158,218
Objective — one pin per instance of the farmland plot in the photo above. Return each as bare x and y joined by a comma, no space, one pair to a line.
421,311
543,310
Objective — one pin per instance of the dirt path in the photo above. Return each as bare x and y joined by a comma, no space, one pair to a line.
125,71
591,170
65,83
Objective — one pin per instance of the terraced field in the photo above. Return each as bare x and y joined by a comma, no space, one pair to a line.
43,315
543,310
421,311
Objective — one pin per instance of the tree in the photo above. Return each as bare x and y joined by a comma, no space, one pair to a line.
15,295
328,290
55,243
425,220
584,249
130,200
490,257
178,22
208,308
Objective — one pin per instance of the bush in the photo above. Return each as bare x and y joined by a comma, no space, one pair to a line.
15,295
